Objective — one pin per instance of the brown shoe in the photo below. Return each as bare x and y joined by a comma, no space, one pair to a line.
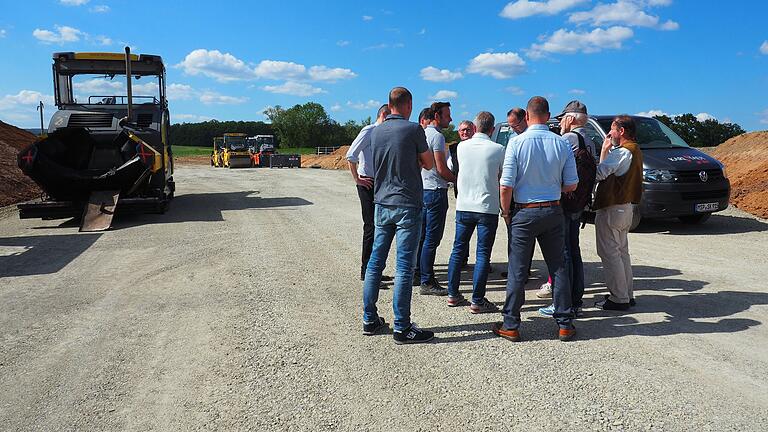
499,330
566,334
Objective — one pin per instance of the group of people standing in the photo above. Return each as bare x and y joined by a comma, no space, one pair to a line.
538,185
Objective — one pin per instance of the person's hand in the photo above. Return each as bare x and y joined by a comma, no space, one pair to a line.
365,182
607,143
507,218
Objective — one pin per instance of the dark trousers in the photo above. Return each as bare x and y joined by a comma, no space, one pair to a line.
573,261
528,225
367,207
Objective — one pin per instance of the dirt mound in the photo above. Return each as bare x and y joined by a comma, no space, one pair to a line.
14,185
746,162
335,160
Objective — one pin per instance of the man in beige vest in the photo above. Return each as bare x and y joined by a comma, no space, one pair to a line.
620,177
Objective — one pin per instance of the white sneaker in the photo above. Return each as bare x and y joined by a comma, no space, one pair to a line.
545,291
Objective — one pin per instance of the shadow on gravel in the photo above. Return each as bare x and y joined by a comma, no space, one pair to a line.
716,225
208,207
37,255
695,313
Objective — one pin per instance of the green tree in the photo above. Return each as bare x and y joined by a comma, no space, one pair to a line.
708,133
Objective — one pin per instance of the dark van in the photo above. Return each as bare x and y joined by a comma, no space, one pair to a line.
678,180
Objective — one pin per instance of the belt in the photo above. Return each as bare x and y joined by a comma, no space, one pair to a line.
537,204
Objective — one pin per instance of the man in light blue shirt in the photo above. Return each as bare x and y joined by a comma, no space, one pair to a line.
538,166
360,159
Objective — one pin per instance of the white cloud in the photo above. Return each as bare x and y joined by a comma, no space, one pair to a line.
336,107
73,2
422,32
326,74
3,33
517,91
276,70
63,34
367,18
654,112
24,100
497,65
525,8
431,73
763,115
371,104
571,42
764,48
576,92
215,64
225,67
294,88
103,40
342,43
213,98
384,46
623,12
99,9
444,94
190,118
705,116
180,92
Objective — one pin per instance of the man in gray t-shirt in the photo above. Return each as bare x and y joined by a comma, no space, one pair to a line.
435,200
399,153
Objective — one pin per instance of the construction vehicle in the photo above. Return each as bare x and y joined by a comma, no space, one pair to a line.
103,153
261,146
217,155
236,154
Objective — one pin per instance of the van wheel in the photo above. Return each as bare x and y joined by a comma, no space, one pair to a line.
636,218
695,219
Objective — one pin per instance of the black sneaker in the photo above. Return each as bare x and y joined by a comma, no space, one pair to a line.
433,288
608,304
370,329
416,279
387,278
632,301
412,335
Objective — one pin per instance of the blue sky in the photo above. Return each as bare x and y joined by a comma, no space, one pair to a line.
230,59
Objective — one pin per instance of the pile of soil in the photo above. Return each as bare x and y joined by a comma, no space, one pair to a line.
15,187
335,160
746,163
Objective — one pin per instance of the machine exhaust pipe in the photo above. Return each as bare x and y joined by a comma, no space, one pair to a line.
128,83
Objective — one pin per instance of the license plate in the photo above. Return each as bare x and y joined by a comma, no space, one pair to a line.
706,207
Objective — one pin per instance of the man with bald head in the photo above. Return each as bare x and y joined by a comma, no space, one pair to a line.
538,166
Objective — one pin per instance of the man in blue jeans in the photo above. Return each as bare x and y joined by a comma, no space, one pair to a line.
435,181
538,166
477,206
399,153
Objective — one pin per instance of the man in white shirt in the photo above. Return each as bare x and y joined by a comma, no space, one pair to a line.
477,207
360,160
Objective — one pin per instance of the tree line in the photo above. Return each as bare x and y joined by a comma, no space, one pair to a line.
707,133
309,125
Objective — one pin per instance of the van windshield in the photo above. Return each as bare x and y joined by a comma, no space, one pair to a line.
651,133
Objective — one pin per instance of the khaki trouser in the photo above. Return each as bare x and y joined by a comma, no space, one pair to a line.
611,227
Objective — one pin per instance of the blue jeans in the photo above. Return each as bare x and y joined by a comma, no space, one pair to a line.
433,225
405,224
573,261
544,224
486,233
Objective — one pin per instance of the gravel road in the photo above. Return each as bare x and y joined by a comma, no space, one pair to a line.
240,309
